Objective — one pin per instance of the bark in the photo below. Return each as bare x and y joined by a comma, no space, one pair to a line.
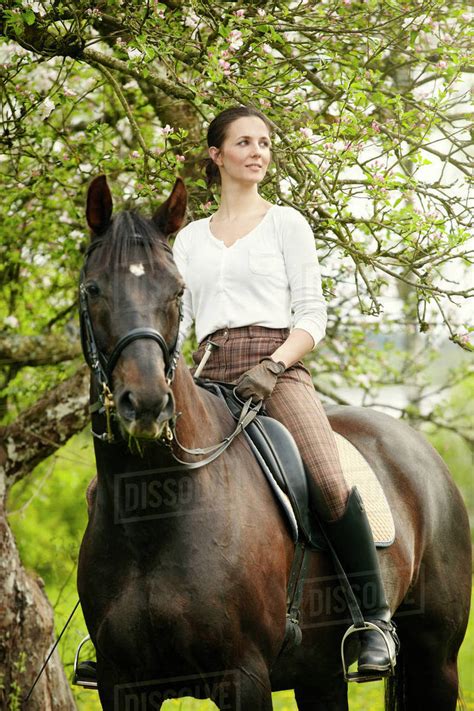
26,636
26,616
38,350
44,427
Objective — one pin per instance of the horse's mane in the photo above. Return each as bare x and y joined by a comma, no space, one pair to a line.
128,231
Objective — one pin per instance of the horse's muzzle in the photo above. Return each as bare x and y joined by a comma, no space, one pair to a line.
144,416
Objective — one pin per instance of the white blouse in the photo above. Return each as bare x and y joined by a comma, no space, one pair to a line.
270,277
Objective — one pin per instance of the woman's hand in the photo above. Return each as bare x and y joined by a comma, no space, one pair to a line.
259,381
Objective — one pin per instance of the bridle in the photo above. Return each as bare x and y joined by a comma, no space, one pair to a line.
102,366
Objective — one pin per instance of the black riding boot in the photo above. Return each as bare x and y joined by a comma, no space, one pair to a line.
351,537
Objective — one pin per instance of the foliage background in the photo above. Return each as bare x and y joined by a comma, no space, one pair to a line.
372,142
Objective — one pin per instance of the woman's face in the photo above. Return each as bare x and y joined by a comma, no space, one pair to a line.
245,153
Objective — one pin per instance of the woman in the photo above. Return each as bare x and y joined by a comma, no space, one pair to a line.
251,272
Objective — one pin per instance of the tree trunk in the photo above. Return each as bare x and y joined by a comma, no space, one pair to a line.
26,616
26,636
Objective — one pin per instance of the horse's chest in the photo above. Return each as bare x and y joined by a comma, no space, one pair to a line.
159,621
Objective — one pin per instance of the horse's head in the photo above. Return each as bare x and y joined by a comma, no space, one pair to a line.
130,296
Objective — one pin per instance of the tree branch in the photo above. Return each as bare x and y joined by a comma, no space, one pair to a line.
37,350
44,427
92,56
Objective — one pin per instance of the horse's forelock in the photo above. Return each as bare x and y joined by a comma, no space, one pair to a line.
126,231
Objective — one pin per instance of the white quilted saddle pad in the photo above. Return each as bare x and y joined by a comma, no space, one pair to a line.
357,472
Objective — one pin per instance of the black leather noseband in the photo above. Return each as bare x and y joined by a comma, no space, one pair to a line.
134,335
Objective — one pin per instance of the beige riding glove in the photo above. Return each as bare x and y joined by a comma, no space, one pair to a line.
259,381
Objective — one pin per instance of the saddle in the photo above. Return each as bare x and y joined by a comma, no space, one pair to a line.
280,460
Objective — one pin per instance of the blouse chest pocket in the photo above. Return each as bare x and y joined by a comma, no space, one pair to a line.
264,263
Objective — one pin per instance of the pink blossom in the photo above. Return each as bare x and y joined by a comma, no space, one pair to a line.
68,92
442,64
266,48
225,54
347,2
375,126
240,13
465,338
225,66
261,12
235,40
207,205
135,154
307,132
180,159
165,130
157,151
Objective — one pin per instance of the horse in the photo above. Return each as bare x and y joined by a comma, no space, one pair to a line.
183,571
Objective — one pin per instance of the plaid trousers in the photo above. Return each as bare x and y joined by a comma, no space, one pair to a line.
294,402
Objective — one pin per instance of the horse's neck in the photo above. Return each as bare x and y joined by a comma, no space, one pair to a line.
200,423
203,421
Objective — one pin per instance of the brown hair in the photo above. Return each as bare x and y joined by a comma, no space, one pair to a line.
217,132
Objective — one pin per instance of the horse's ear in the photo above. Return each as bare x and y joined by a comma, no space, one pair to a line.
170,216
99,205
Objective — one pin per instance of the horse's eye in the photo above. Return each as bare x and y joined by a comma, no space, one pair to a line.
180,293
92,289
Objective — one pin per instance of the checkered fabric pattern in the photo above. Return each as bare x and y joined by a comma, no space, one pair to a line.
294,402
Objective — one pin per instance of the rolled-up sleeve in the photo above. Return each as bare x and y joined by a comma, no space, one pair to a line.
181,260
308,304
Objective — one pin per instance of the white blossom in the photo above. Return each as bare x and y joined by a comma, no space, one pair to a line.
11,321
134,53
46,108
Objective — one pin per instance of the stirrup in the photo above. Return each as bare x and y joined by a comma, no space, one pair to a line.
361,677
82,676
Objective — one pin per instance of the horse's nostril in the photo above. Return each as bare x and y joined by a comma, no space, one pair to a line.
163,404
166,409
128,405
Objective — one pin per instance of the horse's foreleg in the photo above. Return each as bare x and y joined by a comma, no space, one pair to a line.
334,699
245,689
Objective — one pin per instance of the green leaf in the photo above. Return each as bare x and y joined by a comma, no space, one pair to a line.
29,17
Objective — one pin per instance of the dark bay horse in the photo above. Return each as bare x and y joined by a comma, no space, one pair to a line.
183,573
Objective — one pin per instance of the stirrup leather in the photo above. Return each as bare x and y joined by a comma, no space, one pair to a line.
360,677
